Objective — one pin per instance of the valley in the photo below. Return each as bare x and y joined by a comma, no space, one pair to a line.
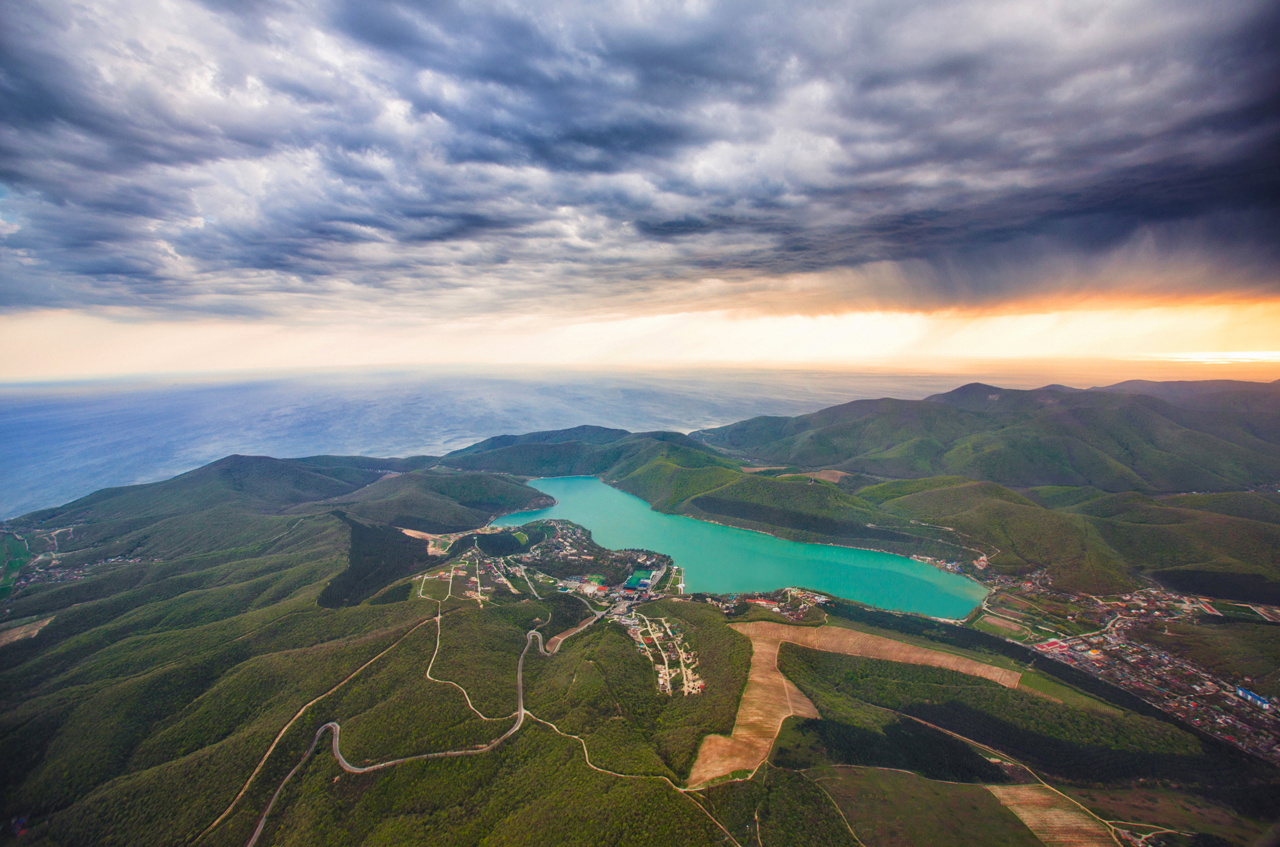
267,651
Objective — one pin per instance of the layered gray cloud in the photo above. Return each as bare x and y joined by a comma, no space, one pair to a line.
462,158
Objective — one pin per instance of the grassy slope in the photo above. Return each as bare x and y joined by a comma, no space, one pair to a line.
1101,755
14,555
894,809
432,501
1114,442
1080,745
1027,534
779,808
1156,535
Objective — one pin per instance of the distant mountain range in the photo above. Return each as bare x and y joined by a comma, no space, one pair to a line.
1162,437
1178,480
176,648
1099,486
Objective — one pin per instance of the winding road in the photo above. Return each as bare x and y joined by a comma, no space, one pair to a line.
333,727
336,729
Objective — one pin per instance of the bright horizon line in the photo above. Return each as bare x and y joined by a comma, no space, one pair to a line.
63,346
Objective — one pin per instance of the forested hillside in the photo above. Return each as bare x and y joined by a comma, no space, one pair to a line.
203,647
1090,485
1218,441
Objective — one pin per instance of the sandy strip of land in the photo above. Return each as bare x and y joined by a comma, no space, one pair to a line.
27,630
757,470
768,700
437,545
827,476
834,639
1054,819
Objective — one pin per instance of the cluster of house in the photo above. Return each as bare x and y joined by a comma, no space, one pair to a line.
636,587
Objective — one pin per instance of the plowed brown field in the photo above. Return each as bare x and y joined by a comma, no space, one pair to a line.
767,701
770,697
834,639
1054,819
827,476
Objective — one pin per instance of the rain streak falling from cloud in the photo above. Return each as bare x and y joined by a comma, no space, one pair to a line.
263,158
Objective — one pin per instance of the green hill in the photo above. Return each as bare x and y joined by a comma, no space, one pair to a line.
230,503
1224,545
257,483
433,501
1087,539
1193,550
1111,441
264,605
583,434
1024,534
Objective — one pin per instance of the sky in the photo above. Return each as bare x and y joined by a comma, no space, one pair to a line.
253,184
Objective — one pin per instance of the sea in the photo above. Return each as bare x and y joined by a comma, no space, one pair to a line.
61,441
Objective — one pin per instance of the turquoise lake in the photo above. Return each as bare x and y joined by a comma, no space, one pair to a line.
727,560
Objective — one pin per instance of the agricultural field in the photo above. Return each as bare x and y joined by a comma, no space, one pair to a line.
1037,617
873,710
1166,807
14,554
768,699
266,652
889,808
851,643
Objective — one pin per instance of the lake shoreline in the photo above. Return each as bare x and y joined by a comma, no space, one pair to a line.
877,581
746,529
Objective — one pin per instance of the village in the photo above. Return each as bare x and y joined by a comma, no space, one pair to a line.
659,639
1093,634
1224,708
662,642
792,603
1102,636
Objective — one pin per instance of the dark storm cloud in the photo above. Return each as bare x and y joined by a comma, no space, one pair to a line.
269,156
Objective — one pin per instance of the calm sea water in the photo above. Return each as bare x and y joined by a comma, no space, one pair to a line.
726,560
62,441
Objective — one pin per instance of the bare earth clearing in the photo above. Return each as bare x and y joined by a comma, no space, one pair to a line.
770,698
27,630
1053,818
827,476
554,644
833,639
437,545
